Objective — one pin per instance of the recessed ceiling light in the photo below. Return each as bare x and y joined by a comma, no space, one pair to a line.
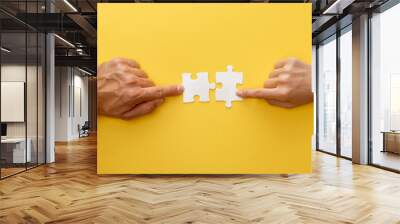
5,50
84,71
64,40
337,7
70,5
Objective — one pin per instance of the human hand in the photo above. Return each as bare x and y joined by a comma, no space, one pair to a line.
125,91
288,86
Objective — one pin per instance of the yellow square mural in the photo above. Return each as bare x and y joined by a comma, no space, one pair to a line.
251,137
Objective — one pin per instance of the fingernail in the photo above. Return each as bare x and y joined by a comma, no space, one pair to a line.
239,92
180,88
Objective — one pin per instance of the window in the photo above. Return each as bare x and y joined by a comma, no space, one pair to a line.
346,75
394,102
327,95
385,89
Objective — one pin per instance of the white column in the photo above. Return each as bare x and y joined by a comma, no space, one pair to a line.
360,90
50,99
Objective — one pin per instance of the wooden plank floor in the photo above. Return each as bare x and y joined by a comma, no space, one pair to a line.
69,191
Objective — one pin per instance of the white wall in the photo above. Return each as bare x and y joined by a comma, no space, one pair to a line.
61,103
71,93
81,84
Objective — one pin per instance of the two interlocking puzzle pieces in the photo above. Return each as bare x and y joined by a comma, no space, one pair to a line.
201,86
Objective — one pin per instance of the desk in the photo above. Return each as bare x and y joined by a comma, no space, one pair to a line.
391,141
15,148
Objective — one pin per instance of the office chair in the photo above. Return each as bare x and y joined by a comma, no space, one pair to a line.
84,130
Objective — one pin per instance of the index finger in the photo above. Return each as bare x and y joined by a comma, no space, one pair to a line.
261,93
157,92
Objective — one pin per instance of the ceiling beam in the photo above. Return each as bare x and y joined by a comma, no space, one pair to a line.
84,24
77,61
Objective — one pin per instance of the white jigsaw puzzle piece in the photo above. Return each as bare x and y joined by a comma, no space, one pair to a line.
229,80
196,87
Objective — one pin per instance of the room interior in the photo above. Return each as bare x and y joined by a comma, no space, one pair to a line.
48,122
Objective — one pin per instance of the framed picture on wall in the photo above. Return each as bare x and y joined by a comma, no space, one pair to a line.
12,101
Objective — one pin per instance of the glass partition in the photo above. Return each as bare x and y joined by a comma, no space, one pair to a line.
22,77
31,99
15,151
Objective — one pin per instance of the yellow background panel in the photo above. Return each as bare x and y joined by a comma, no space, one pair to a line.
170,39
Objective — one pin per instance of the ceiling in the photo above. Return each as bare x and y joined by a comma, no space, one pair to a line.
76,22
